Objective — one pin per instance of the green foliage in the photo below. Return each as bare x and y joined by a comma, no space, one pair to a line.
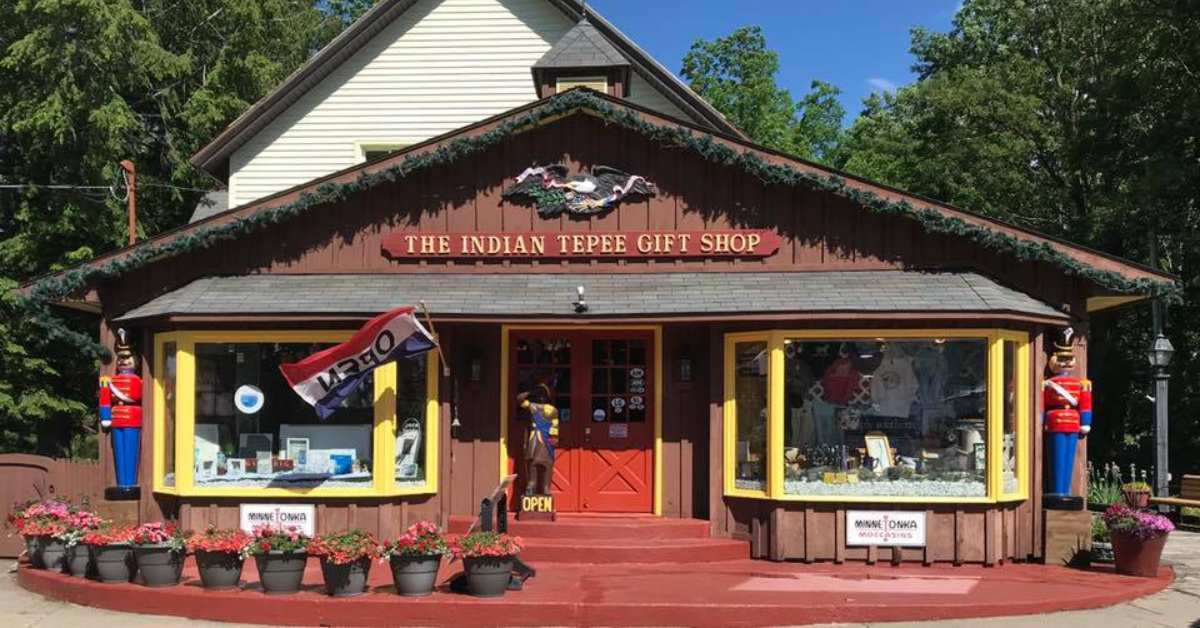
736,74
88,83
1079,118
1104,484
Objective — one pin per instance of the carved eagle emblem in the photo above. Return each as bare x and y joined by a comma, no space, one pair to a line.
582,194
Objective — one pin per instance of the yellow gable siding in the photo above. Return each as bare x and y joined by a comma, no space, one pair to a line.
442,65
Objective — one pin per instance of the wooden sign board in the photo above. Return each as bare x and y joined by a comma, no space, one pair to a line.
740,243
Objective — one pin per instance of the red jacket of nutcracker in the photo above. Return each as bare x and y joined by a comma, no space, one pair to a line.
121,400
1068,403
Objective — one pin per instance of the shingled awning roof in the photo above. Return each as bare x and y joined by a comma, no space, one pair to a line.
607,295
582,47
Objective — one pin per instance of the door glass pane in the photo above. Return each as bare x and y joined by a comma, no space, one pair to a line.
1009,456
411,409
751,363
637,352
168,379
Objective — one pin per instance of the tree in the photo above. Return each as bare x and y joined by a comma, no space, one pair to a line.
736,74
1078,118
88,83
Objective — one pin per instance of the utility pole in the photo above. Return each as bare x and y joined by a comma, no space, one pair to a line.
131,189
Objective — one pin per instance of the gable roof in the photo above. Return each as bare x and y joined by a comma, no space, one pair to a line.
1108,272
214,157
582,47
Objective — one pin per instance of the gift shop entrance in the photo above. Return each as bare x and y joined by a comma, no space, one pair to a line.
601,384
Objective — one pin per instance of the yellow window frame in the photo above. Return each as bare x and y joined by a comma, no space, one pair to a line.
995,403
384,432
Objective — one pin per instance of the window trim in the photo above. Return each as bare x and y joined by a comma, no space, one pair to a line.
383,434
362,147
775,384
590,82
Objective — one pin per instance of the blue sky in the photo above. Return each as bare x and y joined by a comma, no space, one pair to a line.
858,45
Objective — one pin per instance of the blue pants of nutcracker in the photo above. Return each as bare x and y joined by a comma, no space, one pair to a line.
126,444
1061,447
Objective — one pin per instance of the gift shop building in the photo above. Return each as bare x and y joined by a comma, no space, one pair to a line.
728,334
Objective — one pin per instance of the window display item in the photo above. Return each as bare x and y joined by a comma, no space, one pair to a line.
840,382
249,444
408,445
297,451
235,468
540,439
1068,415
880,451
894,386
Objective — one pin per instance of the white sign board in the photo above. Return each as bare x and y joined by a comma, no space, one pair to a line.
885,527
302,516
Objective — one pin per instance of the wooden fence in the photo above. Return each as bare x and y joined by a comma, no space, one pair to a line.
24,477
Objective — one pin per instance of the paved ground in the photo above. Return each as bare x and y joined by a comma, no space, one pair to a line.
1178,606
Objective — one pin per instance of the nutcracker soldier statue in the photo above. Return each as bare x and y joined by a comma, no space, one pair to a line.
121,415
1068,416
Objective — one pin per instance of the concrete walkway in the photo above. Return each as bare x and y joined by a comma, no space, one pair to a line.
1178,606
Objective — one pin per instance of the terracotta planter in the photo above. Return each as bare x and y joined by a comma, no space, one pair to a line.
346,580
1137,500
1138,557
219,570
280,572
415,575
53,554
114,563
160,565
79,560
488,576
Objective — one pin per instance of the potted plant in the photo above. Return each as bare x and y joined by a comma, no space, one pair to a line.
487,561
220,555
345,561
159,549
1136,494
79,555
280,555
1102,551
112,552
1138,538
415,558
42,523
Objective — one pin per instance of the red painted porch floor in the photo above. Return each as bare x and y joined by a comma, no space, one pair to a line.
739,592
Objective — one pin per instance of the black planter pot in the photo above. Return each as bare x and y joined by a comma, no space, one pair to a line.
54,554
346,580
415,575
160,565
219,570
279,572
114,563
488,576
33,549
79,560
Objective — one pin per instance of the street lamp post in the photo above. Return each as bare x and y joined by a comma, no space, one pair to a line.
1159,356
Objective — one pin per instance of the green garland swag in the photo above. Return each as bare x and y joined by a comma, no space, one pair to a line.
60,286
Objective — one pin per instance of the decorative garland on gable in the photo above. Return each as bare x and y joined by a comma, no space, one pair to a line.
61,286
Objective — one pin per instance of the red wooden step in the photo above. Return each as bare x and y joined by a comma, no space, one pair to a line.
627,549
582,527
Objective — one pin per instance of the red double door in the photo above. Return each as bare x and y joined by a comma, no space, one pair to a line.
603,386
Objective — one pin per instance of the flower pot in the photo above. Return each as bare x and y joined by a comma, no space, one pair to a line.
54,554
219,570
281,572
488,576
33,549
346,580
79,560
1137,500
1138,557
415,575
114,563
160,565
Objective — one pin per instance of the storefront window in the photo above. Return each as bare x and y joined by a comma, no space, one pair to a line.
885,417
411,420
1012,387
168,392
750,400
253,430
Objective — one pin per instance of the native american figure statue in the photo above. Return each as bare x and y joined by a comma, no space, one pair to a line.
582,195
540,439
